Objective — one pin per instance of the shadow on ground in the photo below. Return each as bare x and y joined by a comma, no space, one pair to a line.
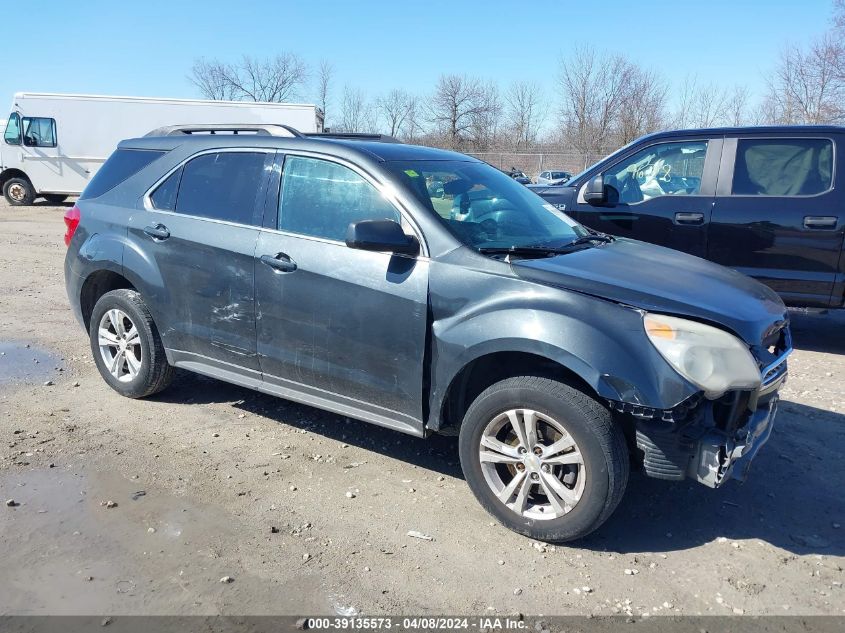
792,499
818,332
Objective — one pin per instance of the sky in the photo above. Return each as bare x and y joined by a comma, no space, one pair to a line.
147,47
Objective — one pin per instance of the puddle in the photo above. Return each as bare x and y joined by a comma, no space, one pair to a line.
152,553
22,363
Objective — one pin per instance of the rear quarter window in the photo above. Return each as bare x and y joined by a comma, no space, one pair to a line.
122,164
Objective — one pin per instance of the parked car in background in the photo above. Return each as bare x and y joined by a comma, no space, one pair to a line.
53,144
553,177
519,176
328,272
766,201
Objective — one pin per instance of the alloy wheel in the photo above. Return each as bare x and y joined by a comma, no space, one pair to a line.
532,464
120,345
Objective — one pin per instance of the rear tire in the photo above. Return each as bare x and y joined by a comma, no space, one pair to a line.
18,192
54,198
126,345
561,476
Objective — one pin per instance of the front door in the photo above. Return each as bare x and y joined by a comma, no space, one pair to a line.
778,217
344,326
661,194
201,226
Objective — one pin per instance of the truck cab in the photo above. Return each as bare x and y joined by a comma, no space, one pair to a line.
760,200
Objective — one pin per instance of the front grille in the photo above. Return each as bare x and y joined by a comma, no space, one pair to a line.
778,352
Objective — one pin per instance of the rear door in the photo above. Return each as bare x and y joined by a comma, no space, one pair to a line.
201,225
339,324
665,194
777,215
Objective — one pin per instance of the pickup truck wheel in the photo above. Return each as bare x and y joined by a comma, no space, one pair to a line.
126,345
543,458
18,192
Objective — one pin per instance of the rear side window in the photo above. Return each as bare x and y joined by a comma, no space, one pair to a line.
122,164
221,186
783,167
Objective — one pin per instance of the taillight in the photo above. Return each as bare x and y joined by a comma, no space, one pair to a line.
72,217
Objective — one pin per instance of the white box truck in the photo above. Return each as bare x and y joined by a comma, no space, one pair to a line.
54,143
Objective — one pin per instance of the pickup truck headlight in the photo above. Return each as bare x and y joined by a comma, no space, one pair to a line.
706,356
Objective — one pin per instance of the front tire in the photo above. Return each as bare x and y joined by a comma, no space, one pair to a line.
18,192
545,459
126,345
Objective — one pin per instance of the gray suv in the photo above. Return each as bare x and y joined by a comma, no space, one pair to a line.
323,270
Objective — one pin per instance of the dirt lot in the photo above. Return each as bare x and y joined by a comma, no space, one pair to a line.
212,480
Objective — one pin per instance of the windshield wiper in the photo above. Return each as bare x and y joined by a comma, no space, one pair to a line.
524,251
592,237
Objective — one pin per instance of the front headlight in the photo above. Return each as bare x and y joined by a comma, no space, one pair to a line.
706,356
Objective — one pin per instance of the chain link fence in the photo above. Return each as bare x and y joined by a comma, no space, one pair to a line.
532,163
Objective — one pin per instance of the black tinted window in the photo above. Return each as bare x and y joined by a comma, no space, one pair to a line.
322,199
783,167
122,164
164,197
222,186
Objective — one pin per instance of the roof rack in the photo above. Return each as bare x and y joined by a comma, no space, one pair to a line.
258,129
265,129
354,136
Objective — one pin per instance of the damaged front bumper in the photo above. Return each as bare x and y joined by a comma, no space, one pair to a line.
711,441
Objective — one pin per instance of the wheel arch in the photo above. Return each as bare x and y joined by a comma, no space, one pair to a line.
95,286
7,174
485,366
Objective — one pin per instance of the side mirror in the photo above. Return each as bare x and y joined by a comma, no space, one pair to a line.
596,193
384,236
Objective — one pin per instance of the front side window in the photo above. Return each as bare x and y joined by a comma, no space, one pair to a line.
483,207
221,186
783,167
666,169
321,199
39,132
12,135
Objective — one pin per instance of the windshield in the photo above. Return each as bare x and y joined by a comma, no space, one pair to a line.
484,208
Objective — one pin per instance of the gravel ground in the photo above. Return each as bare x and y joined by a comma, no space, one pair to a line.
209,480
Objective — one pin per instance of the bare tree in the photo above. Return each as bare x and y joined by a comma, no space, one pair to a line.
701,105
394,108
593,90
356,114
644,105
275,79
808,85
325,74
414,127
736,106
526,111
212,80
487,118
455,107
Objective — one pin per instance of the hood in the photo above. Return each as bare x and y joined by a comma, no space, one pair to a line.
659,279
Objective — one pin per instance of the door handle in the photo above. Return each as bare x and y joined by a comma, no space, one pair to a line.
689,218
157,231
280,261
820,221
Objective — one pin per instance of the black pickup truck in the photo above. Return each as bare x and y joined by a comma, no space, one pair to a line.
763,200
